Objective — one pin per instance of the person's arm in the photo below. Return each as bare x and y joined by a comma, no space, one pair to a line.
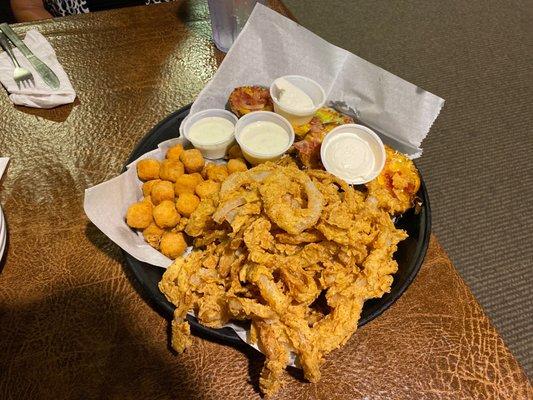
29,10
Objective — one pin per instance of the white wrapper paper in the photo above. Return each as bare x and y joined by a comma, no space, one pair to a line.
271,46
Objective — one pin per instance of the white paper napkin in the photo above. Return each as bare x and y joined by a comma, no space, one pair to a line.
36,94
3,164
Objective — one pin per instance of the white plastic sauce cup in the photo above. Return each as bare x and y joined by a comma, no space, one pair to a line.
309,87
215,150
342,161
251,156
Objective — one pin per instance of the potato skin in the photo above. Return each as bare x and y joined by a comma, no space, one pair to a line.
148,169
139,215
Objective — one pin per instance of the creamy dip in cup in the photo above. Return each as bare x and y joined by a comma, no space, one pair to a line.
297,98
353,153
263,136
210,131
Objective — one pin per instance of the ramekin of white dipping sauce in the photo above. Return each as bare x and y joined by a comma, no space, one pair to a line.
353,153
210,131
297,98
263,136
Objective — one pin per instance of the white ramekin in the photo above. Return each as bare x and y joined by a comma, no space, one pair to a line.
365,134
251,156
309,87
211,151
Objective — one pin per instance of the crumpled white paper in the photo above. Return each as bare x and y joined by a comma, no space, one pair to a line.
271,46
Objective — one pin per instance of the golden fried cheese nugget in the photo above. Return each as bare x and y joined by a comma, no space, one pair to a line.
216,173
163,190
192,160
174,152
236,165
207,188
148,169
147,186
166,215
152,234
187,203
139,215
171,170
186,184
172,244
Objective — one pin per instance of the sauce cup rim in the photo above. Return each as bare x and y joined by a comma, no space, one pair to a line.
243,121
186,124
291,110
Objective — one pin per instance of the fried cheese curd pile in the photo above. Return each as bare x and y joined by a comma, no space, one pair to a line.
313,133
295,252
172,191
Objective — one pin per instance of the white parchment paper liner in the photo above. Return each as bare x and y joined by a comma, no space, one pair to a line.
271,46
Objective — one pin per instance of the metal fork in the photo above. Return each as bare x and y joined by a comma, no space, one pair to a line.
20,75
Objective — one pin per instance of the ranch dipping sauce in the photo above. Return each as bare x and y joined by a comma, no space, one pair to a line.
351,156
293,97
210,130
264,137
296,98
353,153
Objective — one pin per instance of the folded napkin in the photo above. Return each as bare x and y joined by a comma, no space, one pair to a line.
36,94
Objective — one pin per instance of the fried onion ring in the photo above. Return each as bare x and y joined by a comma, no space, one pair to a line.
283,212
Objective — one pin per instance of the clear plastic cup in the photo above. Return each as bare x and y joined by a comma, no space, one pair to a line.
212,151
308,86
255,158
342,160
228,18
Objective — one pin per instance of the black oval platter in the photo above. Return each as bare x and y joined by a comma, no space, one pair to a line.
410,253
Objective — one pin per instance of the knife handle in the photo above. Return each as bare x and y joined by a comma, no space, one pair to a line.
10,33
7,47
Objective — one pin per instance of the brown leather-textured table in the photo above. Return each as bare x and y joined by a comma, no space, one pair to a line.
72,324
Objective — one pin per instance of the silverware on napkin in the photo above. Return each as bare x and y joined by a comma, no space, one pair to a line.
49,77
20,75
